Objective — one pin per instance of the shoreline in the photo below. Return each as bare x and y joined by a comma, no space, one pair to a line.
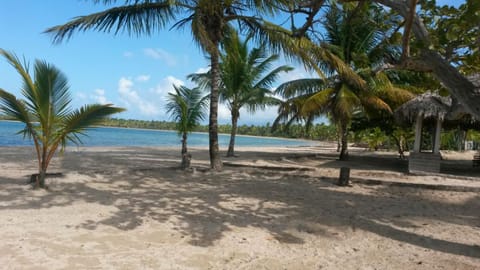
303,142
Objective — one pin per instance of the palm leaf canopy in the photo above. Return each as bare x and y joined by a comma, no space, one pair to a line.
186,107
246,76
208,20
47,101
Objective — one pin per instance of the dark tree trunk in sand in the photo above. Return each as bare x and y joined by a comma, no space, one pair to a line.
233,133
186,157
344,178
344,141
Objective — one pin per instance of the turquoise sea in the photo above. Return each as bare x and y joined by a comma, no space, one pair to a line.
140,137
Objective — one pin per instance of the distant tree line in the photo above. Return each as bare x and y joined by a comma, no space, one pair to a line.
316,132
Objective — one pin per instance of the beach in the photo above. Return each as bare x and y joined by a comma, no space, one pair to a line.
269,208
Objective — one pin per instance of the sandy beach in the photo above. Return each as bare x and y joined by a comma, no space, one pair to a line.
272,208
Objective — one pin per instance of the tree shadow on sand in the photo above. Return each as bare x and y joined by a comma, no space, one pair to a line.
205,205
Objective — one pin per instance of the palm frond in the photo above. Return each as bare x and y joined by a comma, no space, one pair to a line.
269,79
187,107
300,87
22,69
345,103
50,97
80,120
318,102
16,109
135,19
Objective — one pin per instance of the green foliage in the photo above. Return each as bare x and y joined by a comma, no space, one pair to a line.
455,33
355,35
375,138
187,108
246,77
45,111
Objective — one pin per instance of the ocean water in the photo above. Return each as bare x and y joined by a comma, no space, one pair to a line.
140,137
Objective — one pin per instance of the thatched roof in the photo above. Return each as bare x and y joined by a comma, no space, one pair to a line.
428,104
432,105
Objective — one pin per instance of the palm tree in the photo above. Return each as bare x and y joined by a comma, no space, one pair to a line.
243,82
208,21
354,37
187,107
45,111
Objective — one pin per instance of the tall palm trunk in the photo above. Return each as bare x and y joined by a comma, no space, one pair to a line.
231,145
344,140
339,138
215,162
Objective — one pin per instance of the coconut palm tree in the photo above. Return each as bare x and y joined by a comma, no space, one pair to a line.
207,20
187,108
243,82
45,111
354,36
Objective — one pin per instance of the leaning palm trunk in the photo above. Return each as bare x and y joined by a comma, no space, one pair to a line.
215,162
344,142
231,145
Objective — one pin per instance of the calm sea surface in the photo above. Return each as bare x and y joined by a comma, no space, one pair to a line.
140,137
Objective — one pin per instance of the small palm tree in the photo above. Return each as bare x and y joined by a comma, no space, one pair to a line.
187,107
45,111
243,82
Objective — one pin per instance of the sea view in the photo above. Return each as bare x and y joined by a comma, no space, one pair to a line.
110,136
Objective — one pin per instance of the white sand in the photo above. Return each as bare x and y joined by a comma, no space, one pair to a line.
131,208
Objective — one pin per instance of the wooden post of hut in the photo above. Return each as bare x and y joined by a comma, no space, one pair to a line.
418,133
437,137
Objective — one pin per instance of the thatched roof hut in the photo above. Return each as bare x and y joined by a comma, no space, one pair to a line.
428,104
433,106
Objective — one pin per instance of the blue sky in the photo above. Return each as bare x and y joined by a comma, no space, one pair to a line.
134,73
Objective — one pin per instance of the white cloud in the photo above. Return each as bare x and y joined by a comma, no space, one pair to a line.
133,100
81,95
142,78
166,85
202,70
224,115
99,96
162,55
295,74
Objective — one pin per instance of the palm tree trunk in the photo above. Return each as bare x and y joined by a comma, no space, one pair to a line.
339,138
231,145
184,143
42,173
215,162
185,156
344,140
